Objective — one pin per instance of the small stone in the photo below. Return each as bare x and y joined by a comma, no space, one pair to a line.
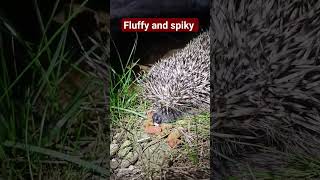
123,152
117,136
125,163
125,144
130,159
131,167
113,149
114,164
124,172
124,149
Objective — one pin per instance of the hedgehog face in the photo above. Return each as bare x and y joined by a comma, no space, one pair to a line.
165,115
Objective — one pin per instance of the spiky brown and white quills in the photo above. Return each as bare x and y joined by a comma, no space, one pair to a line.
179,84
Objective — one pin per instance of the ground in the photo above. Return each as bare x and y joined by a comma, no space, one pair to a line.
136,154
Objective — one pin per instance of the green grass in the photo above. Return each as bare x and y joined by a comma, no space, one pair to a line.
53,120
124,92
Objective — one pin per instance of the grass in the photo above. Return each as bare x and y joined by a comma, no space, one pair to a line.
124,94
298,167
49,111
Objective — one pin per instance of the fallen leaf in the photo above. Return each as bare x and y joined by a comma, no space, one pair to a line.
149,121
166,126
149,115
153,129
173,138
149,126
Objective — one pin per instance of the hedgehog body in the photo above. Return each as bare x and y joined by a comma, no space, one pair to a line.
266,85
179,84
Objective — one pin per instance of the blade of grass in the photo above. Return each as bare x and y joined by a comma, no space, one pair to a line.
59,155
26,136
130,111
43,49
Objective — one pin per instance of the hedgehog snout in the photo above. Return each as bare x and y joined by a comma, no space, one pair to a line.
165,116
156,118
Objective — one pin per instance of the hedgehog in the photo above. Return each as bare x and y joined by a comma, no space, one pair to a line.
266,84
179,84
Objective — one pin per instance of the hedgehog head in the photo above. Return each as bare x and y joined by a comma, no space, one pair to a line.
165,115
